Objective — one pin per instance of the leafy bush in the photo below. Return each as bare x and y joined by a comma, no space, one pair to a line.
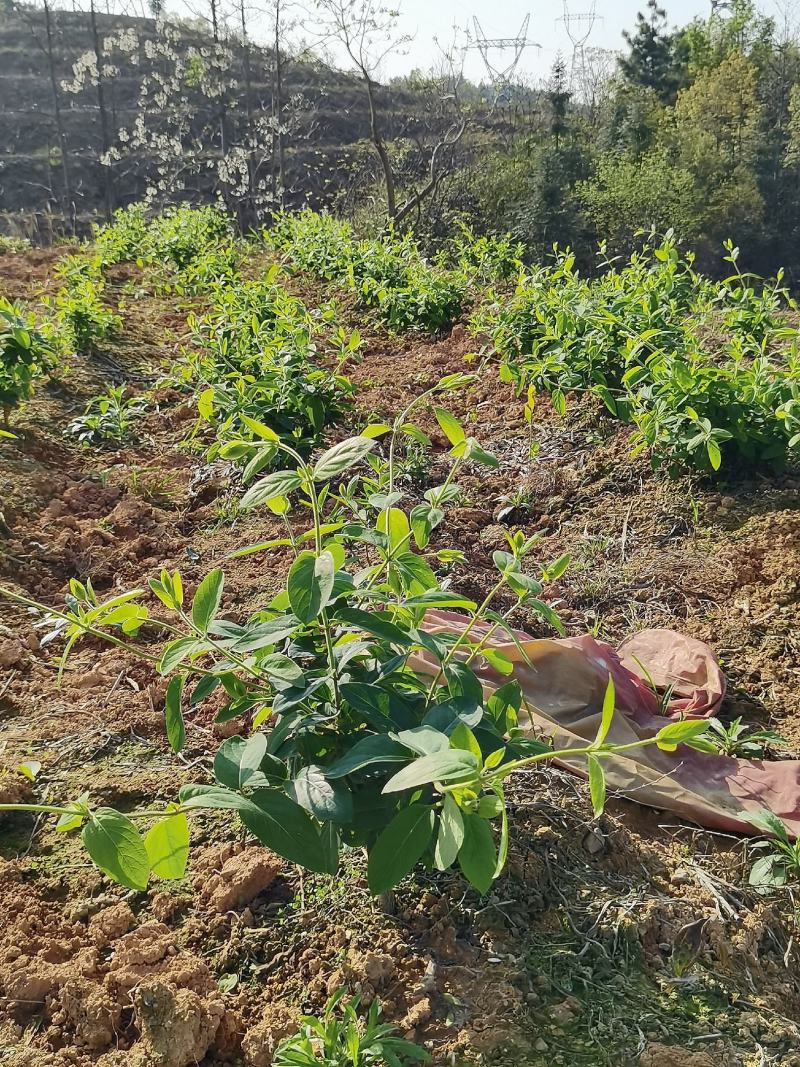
80,311
180,235
389,275
27,352
488,258
13,245
257,356
177,237
625,196
701,369
126,237
348,1041
107,418
367,730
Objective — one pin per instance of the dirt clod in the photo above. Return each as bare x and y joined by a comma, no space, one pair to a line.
241,879
278,1022
177,1026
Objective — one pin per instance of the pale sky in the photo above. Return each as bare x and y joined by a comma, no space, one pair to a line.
503,18
426,20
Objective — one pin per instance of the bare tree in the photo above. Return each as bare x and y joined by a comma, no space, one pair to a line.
105,126
447,125
369,34
46,43
279,154
93,69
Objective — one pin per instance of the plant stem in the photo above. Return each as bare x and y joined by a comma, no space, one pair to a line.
566,753
465,633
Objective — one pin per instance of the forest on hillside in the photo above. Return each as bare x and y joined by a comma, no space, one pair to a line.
694,128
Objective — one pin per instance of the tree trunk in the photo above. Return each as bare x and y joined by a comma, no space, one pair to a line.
279,160
251,211
105,133
66,203
380,148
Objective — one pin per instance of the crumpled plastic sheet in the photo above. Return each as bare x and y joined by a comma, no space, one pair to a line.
563,684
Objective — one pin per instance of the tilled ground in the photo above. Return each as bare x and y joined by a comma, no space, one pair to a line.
631,941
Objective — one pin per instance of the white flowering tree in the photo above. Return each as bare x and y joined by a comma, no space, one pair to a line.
94,71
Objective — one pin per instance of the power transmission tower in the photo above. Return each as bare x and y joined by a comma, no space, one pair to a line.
501,76
578,27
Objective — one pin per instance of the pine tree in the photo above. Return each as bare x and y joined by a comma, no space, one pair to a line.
657,58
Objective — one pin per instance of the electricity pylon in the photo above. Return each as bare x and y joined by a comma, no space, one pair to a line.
579,26
501,76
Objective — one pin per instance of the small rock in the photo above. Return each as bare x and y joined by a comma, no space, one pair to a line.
594,842
565,1012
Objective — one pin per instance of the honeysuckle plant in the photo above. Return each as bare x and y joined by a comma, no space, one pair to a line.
28,351
363,729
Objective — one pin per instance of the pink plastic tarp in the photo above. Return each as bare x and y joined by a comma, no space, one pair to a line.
564,682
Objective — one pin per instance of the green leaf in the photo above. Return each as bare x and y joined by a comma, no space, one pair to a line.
678,733
394,523
282,825
597,784
424,520
770,872
463,738
478,856
276,484
376,623
714,454
376,429
309,584
250,756
205,403
281,667
29,769
207,599
450,425
399,847
424,740
326,801
260,429
228,760
167,845
376,749
608,713
117,848
451,834
176,652
176,729
489,807
773,824
210,797
439,598
441,766
342,456
79,811
554,570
